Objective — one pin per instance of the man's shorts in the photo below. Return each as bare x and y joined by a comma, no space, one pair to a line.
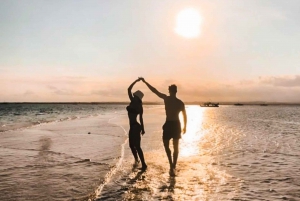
171,129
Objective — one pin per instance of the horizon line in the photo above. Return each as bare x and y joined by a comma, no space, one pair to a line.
153,103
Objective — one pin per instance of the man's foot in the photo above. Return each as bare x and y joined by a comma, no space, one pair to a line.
144,168
172,172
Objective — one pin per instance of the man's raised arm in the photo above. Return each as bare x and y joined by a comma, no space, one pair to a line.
161,95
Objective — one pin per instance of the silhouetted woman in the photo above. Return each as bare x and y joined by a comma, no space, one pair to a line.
134,109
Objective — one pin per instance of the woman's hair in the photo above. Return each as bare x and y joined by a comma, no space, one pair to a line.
138,99
139,94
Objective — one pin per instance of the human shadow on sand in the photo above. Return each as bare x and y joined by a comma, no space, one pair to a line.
170,187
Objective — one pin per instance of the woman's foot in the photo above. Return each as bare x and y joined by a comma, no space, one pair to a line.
144,167
172,172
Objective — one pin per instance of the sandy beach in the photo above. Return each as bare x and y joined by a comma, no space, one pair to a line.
58,161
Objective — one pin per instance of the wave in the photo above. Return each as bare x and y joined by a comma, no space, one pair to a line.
113,169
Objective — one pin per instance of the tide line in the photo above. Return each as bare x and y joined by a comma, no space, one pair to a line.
109,175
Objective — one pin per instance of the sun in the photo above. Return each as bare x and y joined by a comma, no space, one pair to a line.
188,23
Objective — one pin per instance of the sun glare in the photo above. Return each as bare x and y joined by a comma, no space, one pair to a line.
188,23
189,145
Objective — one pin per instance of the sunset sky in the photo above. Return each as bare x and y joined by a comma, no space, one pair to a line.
92,50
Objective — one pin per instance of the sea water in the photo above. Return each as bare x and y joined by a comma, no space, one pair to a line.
80,152
227,153
20,115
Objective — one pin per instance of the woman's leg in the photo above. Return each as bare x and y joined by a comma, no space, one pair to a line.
136,143
133,149
140,153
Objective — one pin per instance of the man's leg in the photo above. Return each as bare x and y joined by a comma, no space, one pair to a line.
176,151
168,151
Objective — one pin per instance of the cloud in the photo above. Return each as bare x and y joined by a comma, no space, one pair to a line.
281,81
247,82
274,14
104,92
59,89
261,13
110,92
259,89
28,93
65,92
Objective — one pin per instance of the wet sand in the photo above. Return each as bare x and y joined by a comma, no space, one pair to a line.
59,160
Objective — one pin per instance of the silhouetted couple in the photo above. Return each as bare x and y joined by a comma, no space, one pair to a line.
171,128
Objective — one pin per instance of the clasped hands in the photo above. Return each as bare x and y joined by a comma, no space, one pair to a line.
140,79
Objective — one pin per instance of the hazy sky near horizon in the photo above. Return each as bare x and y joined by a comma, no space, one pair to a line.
71,50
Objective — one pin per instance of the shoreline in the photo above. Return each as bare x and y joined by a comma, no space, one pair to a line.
66,160
244,103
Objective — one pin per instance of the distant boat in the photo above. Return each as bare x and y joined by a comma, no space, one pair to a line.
210,104
238,104
263,104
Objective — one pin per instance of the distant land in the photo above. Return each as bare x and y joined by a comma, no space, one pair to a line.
161,103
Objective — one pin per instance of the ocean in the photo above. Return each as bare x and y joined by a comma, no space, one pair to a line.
80,152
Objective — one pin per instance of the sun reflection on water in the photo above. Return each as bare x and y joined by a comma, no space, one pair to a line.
190,140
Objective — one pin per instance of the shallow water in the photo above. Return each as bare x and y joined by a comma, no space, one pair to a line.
22,115
228,153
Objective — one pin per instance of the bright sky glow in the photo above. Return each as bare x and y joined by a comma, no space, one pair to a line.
188,23
92,50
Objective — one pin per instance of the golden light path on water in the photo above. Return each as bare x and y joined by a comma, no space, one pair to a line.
189,143
200,176
200,172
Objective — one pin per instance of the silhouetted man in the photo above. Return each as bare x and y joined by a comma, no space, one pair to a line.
172,127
